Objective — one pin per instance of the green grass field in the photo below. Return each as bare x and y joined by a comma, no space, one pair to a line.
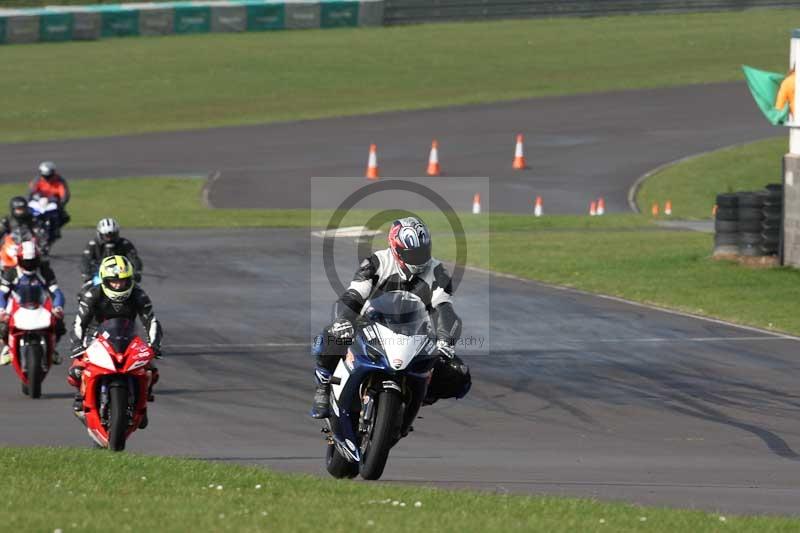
620,255
62,489
693,185
117,86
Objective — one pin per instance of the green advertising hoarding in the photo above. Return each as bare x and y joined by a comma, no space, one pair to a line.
192,19
262,17
118,22
338,14
55,27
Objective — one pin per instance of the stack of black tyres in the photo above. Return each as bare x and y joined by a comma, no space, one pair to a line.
751,226
771,224
726,225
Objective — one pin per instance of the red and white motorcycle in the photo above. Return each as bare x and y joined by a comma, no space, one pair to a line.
31,333
114,383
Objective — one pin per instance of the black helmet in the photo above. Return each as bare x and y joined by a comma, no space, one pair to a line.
19,209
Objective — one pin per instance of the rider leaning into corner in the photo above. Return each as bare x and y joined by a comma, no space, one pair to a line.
51,184
406,265
117,296
107,243
30,269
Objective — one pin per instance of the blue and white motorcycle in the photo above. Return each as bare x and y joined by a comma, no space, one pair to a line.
379,386
46,216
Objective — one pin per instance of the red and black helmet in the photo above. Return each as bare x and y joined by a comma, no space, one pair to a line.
410,242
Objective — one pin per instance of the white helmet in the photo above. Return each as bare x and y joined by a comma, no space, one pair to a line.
107,230
47,169
28,257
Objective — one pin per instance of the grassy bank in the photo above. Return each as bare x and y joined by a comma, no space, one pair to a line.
133,85
621,255
134,493
693,185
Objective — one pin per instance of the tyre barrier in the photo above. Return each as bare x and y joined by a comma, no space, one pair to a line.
726,226
773,219
748,223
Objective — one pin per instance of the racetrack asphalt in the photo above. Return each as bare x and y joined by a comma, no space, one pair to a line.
573,394
578,148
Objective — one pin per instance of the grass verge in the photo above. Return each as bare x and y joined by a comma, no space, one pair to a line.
121,86
620,255
126,492
693,185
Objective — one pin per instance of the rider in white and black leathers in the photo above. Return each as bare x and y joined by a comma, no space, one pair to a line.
406,265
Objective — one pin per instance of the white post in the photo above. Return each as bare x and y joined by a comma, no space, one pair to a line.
790,233
794,131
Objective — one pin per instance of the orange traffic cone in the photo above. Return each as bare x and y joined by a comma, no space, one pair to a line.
537,208
476,204
654,209
519,156
601,206
668,208
433,160
593,209
372,163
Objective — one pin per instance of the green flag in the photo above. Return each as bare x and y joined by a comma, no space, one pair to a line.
764,88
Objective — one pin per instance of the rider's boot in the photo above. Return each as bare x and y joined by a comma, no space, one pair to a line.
321,407
77,407
153,380
57,359
144,422
5,355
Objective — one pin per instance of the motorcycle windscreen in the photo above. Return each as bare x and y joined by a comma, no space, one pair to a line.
119,332
400,349
402,323
401,312
31,319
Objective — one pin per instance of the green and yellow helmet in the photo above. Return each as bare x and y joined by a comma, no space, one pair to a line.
116,276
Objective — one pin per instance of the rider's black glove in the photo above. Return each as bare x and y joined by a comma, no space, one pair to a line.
77,351
342,329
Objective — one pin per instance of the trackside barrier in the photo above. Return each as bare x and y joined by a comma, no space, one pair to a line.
67,23
416,11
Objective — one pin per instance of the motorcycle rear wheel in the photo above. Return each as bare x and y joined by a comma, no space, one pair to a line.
118,415
383,435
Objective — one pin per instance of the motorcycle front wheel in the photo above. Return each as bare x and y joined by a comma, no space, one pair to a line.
338,466
118,415
380,440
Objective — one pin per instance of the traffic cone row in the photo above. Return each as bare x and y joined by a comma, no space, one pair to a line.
654,209
596,207
434,169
